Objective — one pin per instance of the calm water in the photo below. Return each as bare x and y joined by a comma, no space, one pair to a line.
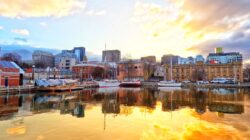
122,114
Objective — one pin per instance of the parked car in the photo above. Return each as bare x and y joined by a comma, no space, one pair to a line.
231,81
186,81
219,80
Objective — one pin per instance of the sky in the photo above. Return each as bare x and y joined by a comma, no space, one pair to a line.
135,27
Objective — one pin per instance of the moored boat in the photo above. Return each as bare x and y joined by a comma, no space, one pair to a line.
130,84
109,83
169,84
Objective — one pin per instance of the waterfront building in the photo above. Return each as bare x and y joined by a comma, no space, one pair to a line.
111,56
220,57
10,74
166,59
65,60
159,72
149,59
78,53
43,59
134,69
204,71
88,71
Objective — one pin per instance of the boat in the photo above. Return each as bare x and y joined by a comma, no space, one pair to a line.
170,83
131,83
109,83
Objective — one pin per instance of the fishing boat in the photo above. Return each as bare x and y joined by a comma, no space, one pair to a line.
170,83
109,83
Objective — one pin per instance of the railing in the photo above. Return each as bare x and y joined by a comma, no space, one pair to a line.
16,88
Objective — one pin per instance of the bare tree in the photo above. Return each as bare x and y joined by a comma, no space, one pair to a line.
246,73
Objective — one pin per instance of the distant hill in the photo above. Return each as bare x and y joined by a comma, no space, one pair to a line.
25,51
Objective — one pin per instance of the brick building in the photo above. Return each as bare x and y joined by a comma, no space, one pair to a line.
205,71
10,74
133,69
88,71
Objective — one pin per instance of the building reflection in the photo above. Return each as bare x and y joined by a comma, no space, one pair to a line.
201,100
121,101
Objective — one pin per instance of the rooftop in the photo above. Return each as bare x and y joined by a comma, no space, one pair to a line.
10,64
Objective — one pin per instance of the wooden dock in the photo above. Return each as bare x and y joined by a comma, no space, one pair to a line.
240,85
28,88
32,89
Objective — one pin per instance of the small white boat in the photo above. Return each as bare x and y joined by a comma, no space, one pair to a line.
109,83
169,84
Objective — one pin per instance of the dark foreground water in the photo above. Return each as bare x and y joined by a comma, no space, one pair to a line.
127,114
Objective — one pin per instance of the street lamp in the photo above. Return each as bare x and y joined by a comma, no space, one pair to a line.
55,73
33,72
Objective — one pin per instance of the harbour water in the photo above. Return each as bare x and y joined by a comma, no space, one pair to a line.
127,114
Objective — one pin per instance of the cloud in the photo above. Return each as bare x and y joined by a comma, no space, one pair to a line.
43,24
196,23
1,27
20,31
20,39
40,8
96,13
238,42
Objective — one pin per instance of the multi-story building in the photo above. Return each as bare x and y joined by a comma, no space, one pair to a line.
166,59
159,72
218,64
65,60
188,60
80,53
111,56
149,59
223,58
134,69
203,71
43,59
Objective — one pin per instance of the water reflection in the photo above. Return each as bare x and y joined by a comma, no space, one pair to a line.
189,109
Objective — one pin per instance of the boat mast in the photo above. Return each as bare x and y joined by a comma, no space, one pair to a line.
171,69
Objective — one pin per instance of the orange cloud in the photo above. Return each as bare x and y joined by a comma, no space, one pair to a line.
21,31
39,8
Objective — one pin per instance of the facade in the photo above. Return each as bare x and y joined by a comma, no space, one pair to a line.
149,59
88,71
10,74
166,59
159,72
43,59
199,58
111,56
80,53
67,63
219,57
132,69
65,60
203,71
